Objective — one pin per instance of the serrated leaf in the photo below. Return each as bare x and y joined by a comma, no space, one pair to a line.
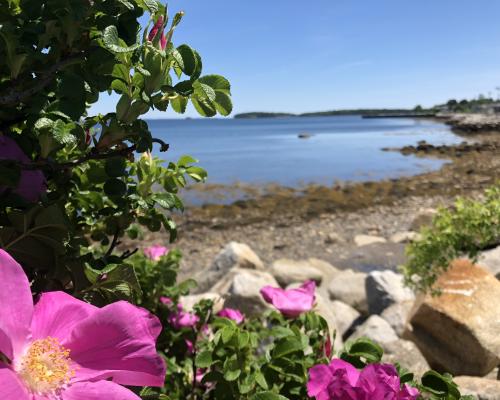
216,82
113,43
268,396
203,107
204,359
223,103
179,104
186,58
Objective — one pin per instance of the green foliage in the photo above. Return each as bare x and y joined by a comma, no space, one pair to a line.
464,230
56,59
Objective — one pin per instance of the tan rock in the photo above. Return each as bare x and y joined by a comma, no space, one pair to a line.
459,331
482,389
188,302
365,240
290,271
348,286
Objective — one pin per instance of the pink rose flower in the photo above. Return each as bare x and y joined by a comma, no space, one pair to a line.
155,252
233,314
293,302
182,319
32,182
65,349
341,380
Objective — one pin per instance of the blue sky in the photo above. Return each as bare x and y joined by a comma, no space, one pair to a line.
318,55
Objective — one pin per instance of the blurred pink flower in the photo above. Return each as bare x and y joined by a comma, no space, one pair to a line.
32,182
189,345
328,347
155,252
291,302
182,319
341,380
166,300
64,348
233,314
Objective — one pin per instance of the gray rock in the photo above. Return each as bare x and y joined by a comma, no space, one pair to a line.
397,315
458,331
348,286
189,301
423,218
234,255
289,271
333,238
365,240
384,288
407,354
404,237
376,329
490,259
482,389
242,290
345,316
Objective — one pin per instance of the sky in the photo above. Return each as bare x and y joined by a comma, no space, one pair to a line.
296,56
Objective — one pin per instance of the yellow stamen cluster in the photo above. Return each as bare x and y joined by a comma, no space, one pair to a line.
46,366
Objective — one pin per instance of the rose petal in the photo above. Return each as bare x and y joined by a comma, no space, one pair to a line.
351,373
291,302
98,391
118,342
56,313
6,345
379,381
320,377
11,387
16,304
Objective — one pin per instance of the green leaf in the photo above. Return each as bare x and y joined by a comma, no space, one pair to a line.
203,91
204,359
227,334
231,369
149,5
223,103
115,187
186,59
217,83
185,160
268,396
203,107
287,346
115,166
179,104
197,173
113,43
261,380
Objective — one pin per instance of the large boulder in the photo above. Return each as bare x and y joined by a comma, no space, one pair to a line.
348,286
482,389
365,240
376,329
188,302
234,255
290,271
397,315
407,354
490,259
384,288
458,331
241,290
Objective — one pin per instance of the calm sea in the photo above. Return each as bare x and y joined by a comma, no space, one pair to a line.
261,151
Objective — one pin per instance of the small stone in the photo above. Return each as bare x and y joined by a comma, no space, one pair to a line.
384,288
405,237
423,218
407,354
345,316
348,286
333,238
242,290
365,240
397,315
481,388
234,255
376,329
490,259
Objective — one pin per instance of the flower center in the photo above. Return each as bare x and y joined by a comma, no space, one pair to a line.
46,366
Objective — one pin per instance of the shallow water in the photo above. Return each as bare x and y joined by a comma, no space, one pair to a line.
264,151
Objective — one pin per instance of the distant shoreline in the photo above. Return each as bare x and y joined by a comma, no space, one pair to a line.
365,112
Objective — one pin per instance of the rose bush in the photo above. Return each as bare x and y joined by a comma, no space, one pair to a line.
81,318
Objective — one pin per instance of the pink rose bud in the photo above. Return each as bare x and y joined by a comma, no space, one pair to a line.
32,183
293,302
155,252
156,28
231,313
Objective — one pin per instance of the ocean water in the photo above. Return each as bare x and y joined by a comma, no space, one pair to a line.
269,151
